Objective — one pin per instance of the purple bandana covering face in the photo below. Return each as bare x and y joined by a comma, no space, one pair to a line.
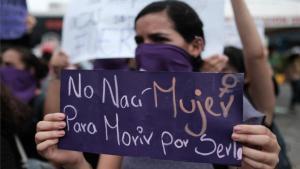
21,83
162,57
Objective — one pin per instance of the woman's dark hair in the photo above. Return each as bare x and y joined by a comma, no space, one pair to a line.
31,61
186,21
236,58
292,58
13,112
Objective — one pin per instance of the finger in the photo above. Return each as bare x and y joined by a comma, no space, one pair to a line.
211,68
64,61
216,64
48,135
46,144
255,140
256,164
252,129
212,60
220,66
62,53
259,156
217,59
265,142
222,59
54,117
49,125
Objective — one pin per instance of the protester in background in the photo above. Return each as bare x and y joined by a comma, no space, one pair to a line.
47,50
13,115
50,44
21,72
59,61
30,23
171,40
236,65
293,76
25,39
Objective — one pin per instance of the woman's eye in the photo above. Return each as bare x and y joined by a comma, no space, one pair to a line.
160,39
7,64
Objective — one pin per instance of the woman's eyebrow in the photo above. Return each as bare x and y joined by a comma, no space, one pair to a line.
7,63
158,35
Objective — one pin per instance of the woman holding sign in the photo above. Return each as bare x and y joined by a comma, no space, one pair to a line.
170,38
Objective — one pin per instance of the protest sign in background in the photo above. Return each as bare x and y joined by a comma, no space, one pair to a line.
164,115
105,28
12,19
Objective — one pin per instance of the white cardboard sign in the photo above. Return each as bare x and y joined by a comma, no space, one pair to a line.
105,28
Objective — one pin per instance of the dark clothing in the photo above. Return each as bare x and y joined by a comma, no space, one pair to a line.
148,163
10,156
284,162
28,130
295,85
24,41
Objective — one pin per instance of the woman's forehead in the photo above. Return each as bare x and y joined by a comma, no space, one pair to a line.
154,23
11,53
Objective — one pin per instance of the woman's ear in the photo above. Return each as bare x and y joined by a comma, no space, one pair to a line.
196,46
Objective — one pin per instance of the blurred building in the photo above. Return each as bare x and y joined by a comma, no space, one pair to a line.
281,19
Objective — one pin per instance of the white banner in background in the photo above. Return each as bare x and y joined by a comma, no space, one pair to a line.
105,28
232,37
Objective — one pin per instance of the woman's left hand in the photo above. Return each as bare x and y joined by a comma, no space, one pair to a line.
260,150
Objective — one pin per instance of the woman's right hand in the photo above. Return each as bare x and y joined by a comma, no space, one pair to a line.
58,61
214,63
48,132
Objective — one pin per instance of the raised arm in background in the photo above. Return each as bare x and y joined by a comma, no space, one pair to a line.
261,89
260,148
58,61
